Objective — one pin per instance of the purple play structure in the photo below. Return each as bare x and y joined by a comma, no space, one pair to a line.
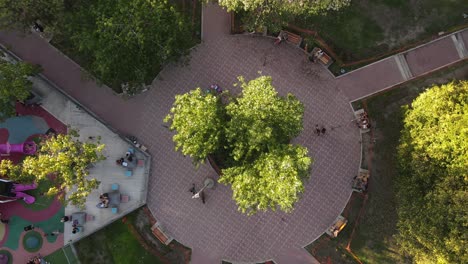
28,148
10,191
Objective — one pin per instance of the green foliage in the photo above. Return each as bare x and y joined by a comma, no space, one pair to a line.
14,85
433,180
23,13
260,119
127,42
198,119
252,134
275,14
275,179
64,160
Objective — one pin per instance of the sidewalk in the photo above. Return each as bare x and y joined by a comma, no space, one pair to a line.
120,114
405,66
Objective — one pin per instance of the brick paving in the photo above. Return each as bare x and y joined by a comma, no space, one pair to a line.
384,74
216,230
442,52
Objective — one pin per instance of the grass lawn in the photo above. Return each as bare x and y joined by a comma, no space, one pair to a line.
369,28
57,257
373,241
113,244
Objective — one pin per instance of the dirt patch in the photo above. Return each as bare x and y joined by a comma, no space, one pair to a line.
143,226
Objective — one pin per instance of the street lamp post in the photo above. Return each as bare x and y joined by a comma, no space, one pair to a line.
208,183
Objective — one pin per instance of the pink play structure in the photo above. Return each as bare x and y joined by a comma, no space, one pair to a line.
10,191
28,148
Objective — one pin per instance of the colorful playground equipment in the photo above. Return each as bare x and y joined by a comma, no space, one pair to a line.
28,148
10,191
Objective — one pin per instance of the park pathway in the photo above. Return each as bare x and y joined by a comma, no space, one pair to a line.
402,67
220,58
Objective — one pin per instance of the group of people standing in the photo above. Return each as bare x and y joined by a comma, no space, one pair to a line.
320,130
363,121
124,161
75,227
37,260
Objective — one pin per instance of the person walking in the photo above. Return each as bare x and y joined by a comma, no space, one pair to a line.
192,190
317,130
323,130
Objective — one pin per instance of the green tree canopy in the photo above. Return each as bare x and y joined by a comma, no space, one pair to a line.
14,85
273,180
274,13
249,136
198,119
65,161
23,13
127,42
433,181
260,119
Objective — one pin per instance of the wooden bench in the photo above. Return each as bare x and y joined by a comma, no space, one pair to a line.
158,232
361,180
337,226
362,120
292,38
319,55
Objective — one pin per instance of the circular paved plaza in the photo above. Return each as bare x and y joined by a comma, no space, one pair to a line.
216,229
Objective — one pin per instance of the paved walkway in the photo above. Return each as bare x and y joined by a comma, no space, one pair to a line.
216,230
386,73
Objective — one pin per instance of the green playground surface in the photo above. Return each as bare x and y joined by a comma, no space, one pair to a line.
17,224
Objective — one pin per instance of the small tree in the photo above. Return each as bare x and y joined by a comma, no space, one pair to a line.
274,180
65,161
433,180
14,85
198,119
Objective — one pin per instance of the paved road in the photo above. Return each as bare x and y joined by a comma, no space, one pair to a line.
216,230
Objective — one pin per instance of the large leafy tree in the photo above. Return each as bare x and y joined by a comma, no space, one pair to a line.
198,119
65,161
273,13
14,85
273,180
23,13
249,136
127,42
260,119
433,181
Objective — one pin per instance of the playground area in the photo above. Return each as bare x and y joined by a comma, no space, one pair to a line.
30,222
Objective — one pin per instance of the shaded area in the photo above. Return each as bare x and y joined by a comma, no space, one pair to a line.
6,254
38,111
334,250
373,240
21,127
113,244
370,28
17,224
